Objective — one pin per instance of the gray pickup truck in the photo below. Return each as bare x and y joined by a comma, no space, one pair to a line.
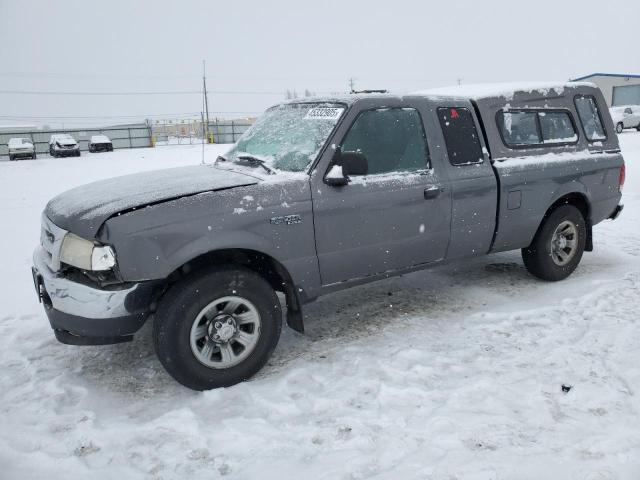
318,196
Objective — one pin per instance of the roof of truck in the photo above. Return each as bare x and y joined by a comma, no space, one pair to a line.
471,91
490,90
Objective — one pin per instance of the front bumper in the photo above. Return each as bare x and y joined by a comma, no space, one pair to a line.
21,153
100,147
83,314
66,152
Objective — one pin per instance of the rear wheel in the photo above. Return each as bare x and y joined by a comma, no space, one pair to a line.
217,328
558,246
10,158
619,127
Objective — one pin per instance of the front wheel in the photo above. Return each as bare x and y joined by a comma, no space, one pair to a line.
557,248
217,328
619,127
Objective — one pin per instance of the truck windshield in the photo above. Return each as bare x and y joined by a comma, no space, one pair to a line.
287,137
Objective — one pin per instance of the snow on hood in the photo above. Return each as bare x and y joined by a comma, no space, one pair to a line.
82,210
100,139
19,143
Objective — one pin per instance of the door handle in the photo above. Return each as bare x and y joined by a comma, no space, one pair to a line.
431,192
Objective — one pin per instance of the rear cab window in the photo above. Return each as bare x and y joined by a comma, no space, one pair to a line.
526,128
460,136
590,118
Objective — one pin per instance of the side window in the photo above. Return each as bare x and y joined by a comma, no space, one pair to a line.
590,118
519,128
557,127
392,139
460,135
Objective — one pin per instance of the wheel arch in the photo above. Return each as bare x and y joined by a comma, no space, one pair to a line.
273,271
581,202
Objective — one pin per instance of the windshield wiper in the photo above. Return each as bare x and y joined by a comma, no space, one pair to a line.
257,161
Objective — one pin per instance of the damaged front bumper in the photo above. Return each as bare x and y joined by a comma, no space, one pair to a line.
85,314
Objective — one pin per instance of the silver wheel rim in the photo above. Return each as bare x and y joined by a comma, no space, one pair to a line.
225,332
564,243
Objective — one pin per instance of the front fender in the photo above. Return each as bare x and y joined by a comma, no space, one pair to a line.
152,243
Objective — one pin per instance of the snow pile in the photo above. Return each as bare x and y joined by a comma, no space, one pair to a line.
456,372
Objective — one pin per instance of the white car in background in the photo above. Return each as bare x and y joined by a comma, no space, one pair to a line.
63,145
626,116
100,143
21,148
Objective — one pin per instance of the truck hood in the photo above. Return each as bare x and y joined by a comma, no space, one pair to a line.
83,210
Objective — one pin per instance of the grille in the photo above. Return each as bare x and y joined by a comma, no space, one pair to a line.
51,237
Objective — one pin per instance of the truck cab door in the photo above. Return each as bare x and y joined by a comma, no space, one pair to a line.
394,217
474,186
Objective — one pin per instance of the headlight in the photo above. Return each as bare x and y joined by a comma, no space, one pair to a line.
84,254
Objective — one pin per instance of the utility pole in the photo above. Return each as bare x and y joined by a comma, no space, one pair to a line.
459,81
352,84
205,130
202,118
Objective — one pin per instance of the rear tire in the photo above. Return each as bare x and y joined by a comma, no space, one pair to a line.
557,248
619,127
203,341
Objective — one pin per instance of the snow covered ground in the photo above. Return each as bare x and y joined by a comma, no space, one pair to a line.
453,373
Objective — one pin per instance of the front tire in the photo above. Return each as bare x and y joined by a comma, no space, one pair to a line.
619,127
557,248
217,328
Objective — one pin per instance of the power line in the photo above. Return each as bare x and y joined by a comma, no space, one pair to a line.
157,115
175,92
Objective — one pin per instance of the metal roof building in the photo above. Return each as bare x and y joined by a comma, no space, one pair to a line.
618,88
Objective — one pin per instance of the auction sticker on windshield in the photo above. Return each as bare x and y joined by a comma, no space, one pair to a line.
324,113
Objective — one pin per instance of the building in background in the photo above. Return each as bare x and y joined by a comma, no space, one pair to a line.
618,88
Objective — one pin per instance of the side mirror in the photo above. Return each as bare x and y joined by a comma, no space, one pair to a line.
345,164
336,177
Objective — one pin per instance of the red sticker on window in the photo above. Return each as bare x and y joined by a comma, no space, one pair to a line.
454,113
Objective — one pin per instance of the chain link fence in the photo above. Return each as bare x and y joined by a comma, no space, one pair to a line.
122,136
190,132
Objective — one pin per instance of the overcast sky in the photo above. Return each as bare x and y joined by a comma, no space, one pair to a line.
271,46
